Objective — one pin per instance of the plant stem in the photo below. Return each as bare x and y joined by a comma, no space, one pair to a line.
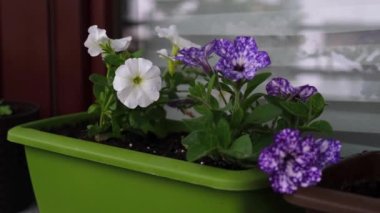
220,91
237,88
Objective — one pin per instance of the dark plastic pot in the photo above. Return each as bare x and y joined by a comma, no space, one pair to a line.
328,195
15,187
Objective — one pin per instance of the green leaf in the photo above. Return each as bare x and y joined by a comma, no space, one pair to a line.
198,144
255,82
173,126
298,109
320,126
224,133
156,113
202,122
282,124
116,130
93,108
214,103
5,110
274,100
211,84
137,54
250,100
197,90
226,88
241,148
203,110
98,79
113,60
237,117
263,113
259,143
316,104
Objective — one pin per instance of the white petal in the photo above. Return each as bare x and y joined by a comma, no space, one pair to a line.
95,37
132,65
151,93
169,33
143,94
120,83
184,43
129,97
121,44
153,72
153,84
94,50
144,65
163,53
144,100
123,71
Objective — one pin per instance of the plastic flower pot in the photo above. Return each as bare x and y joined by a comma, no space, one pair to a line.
72,175
15,188
360,175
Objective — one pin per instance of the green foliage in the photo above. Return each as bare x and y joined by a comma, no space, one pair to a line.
235,125
255,82
263,114
114,117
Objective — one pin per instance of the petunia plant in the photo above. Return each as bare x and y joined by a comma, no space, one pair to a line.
225,116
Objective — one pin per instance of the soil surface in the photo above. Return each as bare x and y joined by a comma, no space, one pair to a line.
169,147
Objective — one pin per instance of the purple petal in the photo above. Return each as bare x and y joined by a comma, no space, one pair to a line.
262,59
224,47
311,176
294,161
287,137
197,57
304,92
329,151
268,160
245,44
282,183
279,87
240,56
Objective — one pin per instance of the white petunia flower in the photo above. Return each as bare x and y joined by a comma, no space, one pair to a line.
97,37
137,82
172,35
121,44
163,53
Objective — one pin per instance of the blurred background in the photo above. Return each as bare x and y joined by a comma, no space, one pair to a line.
331,44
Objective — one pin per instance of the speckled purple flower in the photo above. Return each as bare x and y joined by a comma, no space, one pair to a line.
293,161
197,57
282,88
240,59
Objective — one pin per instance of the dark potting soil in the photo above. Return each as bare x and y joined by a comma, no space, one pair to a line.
169,147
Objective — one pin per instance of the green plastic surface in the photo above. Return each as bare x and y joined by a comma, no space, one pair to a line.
71,175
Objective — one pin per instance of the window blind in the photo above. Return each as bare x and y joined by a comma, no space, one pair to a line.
331,44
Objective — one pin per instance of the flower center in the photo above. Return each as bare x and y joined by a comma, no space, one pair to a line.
137,80
239,68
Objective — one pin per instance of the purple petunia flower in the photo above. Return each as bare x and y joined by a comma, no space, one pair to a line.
240,59
282,88
197,57
293,161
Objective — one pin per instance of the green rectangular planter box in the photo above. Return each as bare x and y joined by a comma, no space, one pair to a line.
74,176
